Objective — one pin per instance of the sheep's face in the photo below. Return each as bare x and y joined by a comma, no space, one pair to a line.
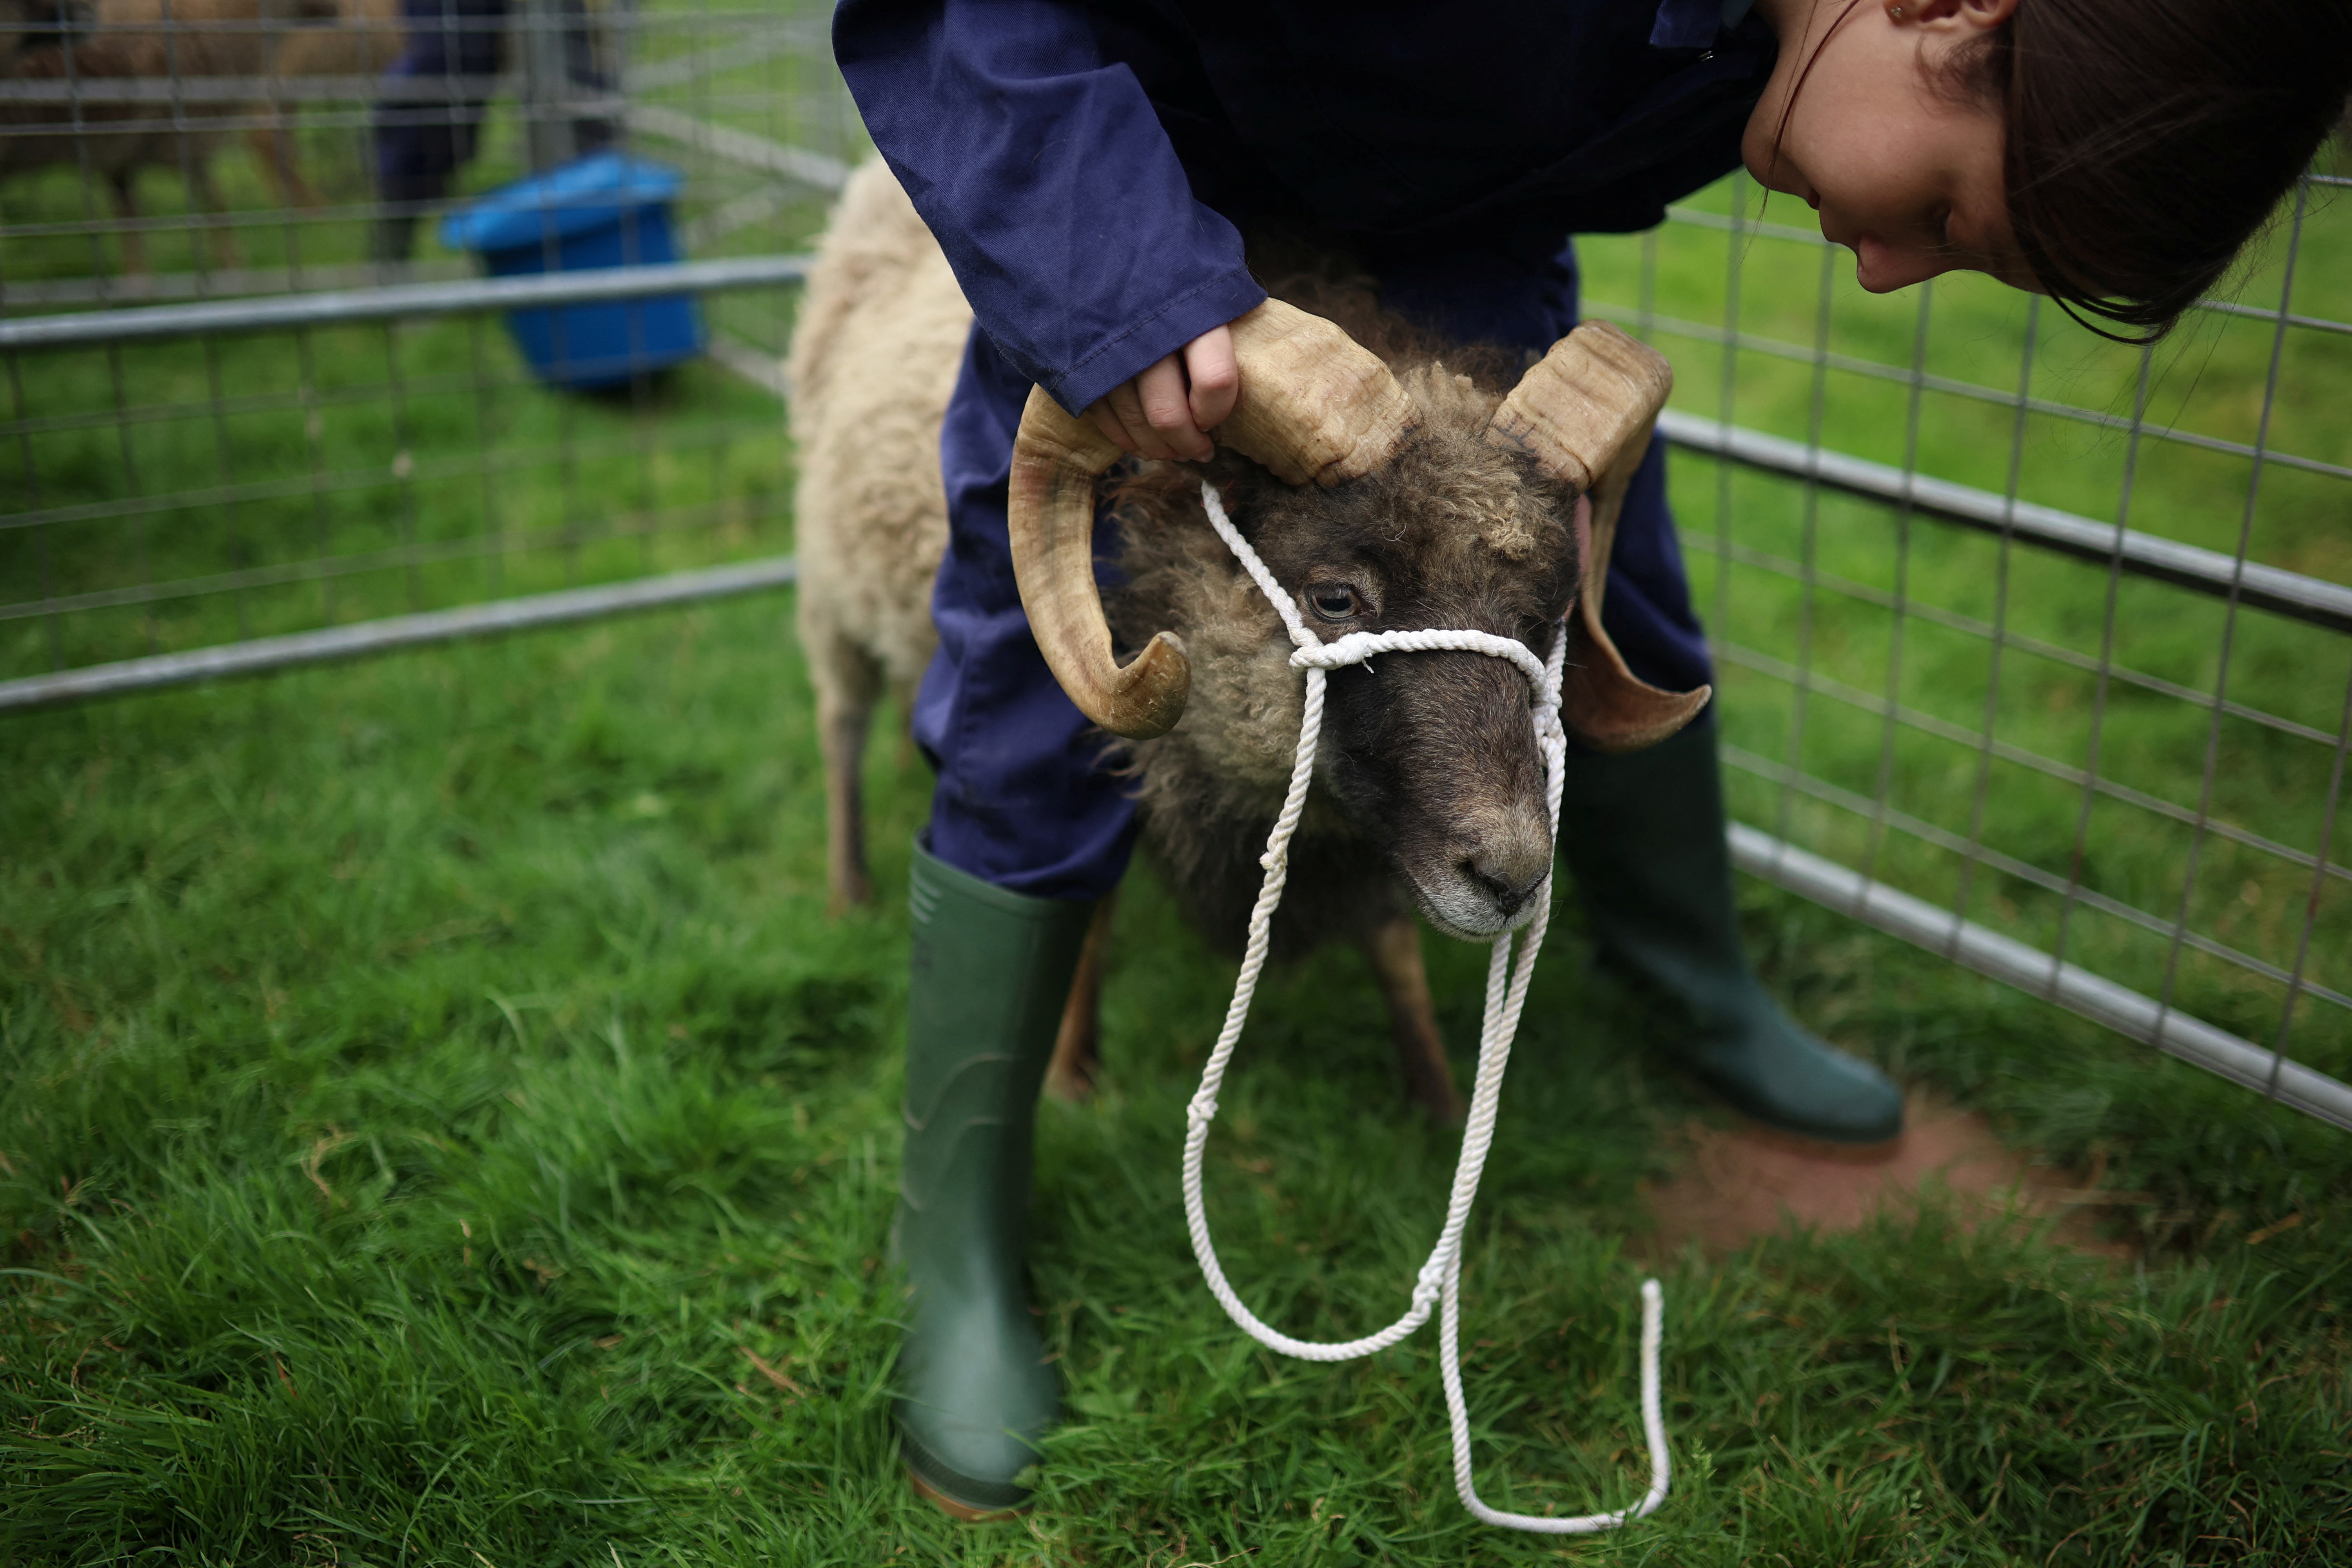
1434,755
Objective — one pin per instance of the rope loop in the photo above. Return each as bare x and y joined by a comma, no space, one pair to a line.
1357,647
1437,1283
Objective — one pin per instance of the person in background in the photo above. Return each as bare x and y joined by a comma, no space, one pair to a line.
435,96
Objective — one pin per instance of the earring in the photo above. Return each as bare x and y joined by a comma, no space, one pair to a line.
1895,12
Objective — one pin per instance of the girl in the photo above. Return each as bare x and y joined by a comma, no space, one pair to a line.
1089,166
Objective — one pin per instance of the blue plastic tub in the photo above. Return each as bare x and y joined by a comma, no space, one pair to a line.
605,210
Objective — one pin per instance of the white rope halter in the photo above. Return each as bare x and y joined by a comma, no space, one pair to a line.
1506,993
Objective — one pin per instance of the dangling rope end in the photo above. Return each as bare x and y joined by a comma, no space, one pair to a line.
1439,1279
1653,1418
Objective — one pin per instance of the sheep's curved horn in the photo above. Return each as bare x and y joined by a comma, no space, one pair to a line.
1313,406
1056,458
1584,412
1314,403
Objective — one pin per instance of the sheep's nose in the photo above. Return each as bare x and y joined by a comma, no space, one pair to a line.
1509,873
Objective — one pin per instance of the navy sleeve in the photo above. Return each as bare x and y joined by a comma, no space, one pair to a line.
1049,182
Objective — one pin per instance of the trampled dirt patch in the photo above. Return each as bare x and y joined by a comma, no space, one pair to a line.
1739,1183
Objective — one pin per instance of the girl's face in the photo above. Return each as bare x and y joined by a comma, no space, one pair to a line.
1905,177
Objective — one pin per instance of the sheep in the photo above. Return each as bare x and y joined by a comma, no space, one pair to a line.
29,25
873,511
363,40
154,40
1466,507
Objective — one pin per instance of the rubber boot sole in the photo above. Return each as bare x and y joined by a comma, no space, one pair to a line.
1858,1148
954,1510
1850,1150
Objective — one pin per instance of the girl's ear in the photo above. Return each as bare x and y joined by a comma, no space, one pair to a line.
1955,16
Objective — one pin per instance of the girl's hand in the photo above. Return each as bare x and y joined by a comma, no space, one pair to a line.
1167,412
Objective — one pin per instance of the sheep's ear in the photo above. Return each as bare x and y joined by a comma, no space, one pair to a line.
1606,705
1584,412
1603,702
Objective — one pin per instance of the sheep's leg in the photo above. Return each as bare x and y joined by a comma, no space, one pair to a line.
273,145
904,694
1394,948
124,183
846,685
1077,1049
208,200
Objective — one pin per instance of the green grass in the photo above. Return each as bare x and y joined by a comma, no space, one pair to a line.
423,1082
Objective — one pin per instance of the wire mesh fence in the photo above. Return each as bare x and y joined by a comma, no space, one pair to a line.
2036,650
237,406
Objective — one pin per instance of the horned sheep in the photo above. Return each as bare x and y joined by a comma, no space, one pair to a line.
1472,513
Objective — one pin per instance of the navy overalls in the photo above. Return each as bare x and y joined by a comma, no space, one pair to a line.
425,133
1088,169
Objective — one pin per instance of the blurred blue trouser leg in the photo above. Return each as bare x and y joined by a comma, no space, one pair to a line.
429,116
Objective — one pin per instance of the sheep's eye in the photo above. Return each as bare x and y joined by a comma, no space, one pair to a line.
1333,601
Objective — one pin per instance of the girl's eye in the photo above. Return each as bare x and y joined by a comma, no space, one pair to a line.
1333,601
1944,228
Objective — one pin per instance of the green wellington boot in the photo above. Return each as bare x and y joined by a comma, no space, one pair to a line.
992,969
1644,834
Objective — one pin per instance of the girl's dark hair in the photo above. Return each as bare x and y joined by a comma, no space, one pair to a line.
2148,140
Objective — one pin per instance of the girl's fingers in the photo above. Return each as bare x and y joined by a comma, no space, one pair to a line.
1168,408
1166,411
1108,423
1215,376
1128,408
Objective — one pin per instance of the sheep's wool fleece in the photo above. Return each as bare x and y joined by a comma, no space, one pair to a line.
881,334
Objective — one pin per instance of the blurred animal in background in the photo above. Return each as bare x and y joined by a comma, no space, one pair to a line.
114,65
116,87
363,40
30,25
